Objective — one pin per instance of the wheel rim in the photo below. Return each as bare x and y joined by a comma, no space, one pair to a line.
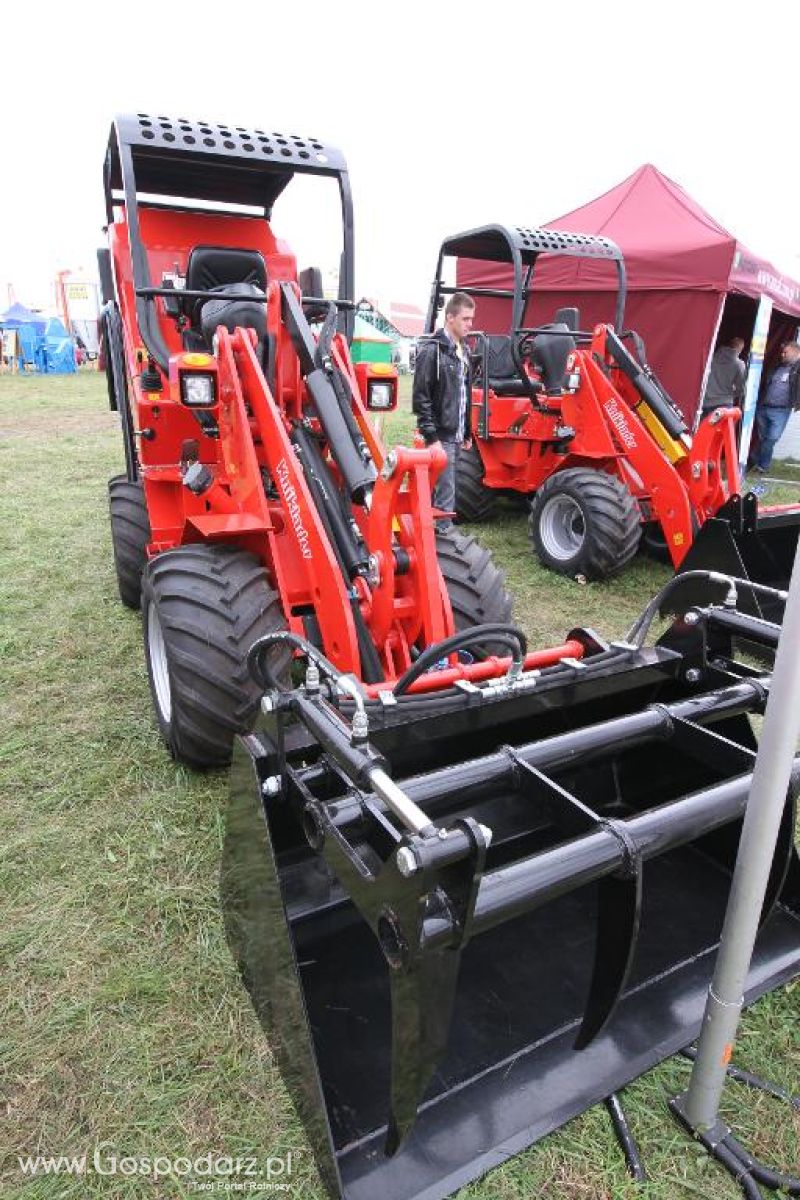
158,663
562,528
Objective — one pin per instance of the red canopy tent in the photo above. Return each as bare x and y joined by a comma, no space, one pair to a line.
689,281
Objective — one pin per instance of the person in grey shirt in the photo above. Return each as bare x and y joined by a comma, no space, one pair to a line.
726,377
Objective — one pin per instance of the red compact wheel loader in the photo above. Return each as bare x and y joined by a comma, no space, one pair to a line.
256,496
576,422
472,888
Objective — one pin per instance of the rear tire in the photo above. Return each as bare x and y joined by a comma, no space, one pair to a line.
584,522
475,585
474,501
130,535
202,609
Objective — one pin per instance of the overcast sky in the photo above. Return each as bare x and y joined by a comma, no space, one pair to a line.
450,115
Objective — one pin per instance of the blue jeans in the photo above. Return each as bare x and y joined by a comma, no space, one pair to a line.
444,494
770,423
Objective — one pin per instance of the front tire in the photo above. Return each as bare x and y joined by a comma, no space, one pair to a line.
584,522
475,585
202,609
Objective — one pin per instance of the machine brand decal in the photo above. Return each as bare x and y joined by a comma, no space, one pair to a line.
617,418
295,516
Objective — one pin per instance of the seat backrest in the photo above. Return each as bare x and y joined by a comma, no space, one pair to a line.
499,359
569,317
226,270
310,281
212,267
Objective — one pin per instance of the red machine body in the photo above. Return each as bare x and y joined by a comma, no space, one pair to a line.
285,533
676,485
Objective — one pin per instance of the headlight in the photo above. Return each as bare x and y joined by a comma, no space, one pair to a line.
197,390
380,393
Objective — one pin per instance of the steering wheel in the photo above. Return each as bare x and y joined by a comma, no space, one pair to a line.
522,349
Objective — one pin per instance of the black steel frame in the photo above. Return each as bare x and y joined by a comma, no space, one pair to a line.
157,156
520,247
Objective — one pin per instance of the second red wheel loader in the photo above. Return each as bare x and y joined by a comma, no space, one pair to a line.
575,422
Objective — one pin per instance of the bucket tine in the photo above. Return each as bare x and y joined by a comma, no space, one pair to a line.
619,908
619,896
422,1006
423,980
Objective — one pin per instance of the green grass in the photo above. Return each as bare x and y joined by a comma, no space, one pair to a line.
122,1018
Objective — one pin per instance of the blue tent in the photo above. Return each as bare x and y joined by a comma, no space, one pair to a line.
18,315
43,342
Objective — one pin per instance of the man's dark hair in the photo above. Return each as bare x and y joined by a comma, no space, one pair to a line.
457,301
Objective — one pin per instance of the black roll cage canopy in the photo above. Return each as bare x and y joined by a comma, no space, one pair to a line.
521,247
185,161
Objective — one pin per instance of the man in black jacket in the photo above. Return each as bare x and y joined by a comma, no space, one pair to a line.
442,394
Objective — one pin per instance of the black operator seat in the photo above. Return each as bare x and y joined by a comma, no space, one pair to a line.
226,271
504,379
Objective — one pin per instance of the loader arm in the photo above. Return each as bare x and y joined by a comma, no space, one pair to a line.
644,468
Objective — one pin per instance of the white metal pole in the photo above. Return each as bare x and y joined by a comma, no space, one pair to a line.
776,750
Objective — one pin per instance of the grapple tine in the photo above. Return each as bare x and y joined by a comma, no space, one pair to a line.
619,908
423,979
422,1008
619,896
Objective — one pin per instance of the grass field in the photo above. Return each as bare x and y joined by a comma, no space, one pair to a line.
122,1019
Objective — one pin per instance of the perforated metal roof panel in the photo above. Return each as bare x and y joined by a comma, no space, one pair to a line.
211,161
494,243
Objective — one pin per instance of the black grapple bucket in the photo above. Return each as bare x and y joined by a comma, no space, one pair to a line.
749,543
498,907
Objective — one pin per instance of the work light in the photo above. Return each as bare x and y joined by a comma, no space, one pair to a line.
380,394
197,389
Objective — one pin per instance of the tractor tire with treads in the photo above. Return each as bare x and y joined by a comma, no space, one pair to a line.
475,585
474,501
130,533
584,523
202,609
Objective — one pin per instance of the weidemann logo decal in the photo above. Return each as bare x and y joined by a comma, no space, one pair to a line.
620,424
295,516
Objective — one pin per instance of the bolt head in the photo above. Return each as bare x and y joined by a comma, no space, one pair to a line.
406,861
691,618
272,785
693,675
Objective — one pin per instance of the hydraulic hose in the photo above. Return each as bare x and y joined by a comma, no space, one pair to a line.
507,635
638,631
261,672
